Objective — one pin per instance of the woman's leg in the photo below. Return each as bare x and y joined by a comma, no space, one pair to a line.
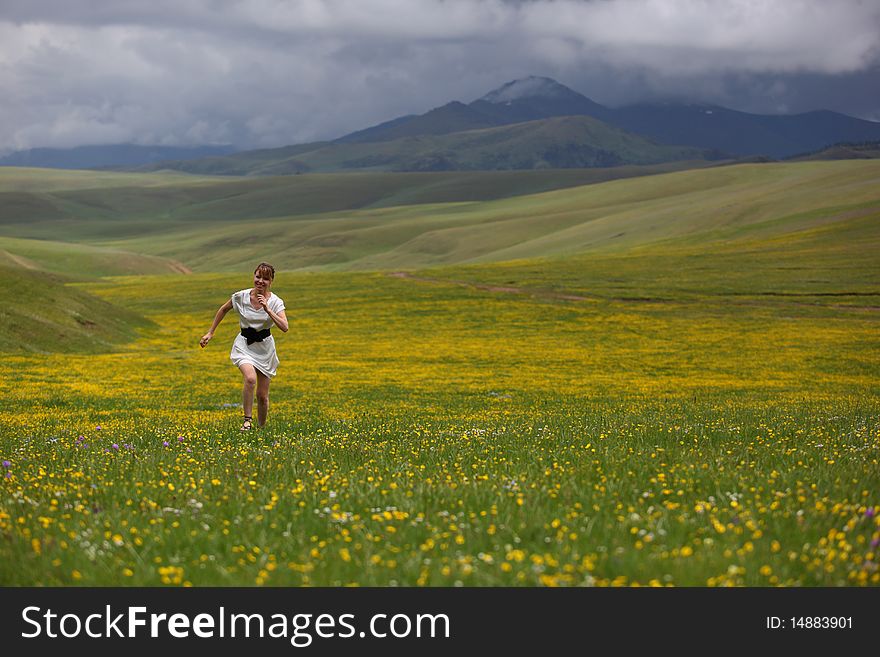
249,375
262,397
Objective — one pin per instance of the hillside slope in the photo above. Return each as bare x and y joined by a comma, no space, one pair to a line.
714,206
374,224
52,316
80,205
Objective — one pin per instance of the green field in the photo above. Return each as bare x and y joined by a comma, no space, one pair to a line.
511,392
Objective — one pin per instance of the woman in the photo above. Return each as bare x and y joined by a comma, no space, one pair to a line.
253,351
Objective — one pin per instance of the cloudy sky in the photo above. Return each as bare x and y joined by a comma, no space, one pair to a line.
272,72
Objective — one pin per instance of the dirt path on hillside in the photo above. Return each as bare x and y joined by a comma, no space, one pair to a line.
19,260
549,294
538,294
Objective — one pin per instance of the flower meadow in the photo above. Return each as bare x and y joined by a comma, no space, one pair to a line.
425,432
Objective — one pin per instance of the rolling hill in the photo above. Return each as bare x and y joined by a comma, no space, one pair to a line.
228,225
63,318
78,205
81,261
709,206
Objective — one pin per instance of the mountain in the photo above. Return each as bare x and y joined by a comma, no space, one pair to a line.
484,135
558,143
522,100
741,133
452,117
707,127
459,136
533,98
530,123
99,157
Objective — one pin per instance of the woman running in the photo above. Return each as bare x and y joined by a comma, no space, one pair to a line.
253,351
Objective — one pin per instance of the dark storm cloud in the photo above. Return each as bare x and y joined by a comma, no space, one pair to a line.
270,72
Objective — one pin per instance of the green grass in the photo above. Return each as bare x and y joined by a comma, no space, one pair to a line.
432,433
696,404
43,314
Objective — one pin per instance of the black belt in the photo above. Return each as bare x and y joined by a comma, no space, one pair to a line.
253,335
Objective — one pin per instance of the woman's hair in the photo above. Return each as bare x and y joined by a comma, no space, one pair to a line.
266,269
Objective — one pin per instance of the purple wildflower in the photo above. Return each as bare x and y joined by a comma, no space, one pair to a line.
114,446
165,443
6,464
98,427
180,439
870,512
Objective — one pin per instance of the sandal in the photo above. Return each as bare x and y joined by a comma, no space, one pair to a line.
246,425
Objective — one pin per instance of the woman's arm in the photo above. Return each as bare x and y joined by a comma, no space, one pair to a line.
280,319
221,313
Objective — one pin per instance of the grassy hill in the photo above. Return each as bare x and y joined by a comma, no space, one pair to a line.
408,221
48,315
560,142
81,261
81,205
696,208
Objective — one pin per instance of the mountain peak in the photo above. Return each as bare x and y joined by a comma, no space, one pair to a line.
530,87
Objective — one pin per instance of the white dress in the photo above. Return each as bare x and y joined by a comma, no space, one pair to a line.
259,354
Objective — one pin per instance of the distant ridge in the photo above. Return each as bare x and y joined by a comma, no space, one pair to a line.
97,157
867,150
561,142
741,133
